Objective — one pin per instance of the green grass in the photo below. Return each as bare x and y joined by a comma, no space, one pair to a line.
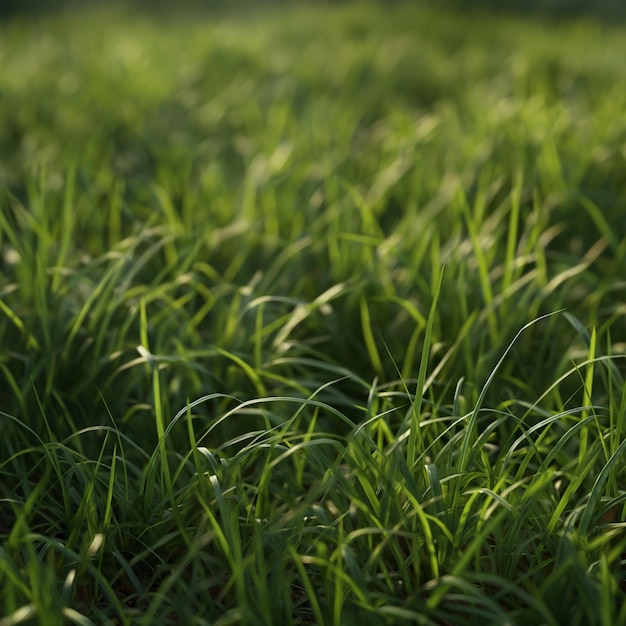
312,315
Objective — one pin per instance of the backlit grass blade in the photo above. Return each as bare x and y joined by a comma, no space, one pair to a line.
416,406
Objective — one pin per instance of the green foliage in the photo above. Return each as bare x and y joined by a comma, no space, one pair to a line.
312,316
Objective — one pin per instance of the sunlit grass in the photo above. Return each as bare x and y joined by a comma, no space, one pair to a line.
312,316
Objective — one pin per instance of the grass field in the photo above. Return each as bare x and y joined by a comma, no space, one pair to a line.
312,316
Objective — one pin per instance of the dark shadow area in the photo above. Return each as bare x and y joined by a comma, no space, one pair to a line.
603,10
11,8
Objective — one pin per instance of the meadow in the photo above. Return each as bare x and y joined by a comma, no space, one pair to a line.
312,315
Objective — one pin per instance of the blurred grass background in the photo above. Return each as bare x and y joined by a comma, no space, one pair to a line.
289,152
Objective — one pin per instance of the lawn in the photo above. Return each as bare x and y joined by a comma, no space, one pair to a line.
312,315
